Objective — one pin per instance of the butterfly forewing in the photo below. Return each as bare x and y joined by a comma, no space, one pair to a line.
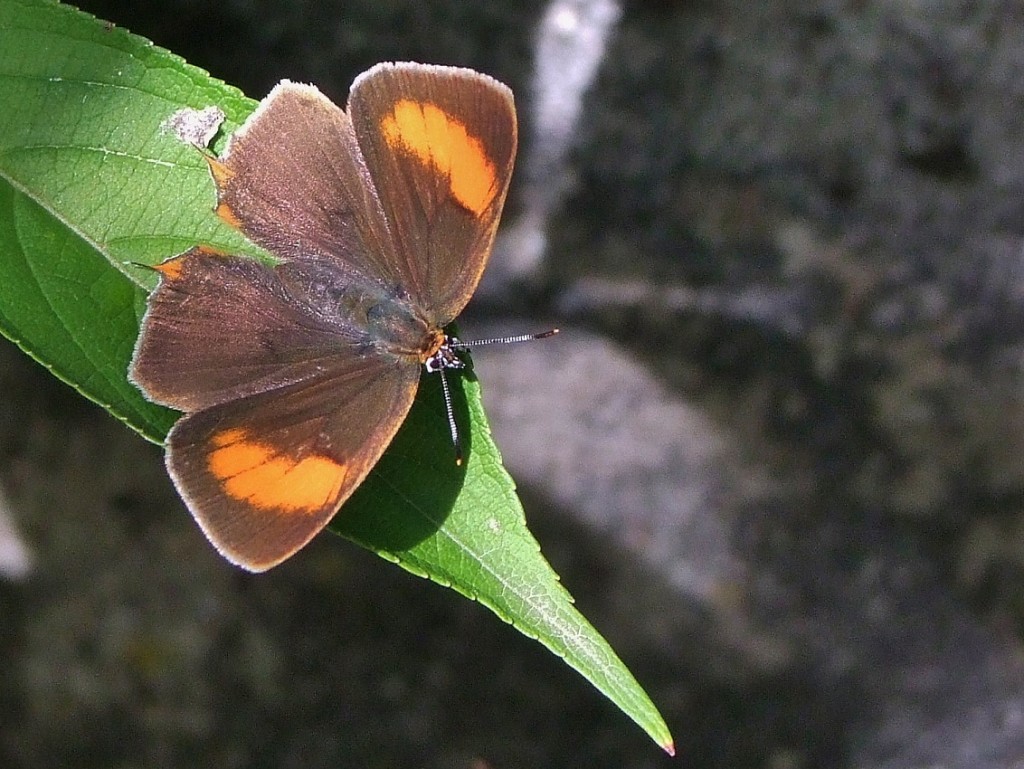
439,143
293,180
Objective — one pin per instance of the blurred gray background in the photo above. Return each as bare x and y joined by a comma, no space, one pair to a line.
777,453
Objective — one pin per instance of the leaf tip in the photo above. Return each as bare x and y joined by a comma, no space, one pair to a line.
669,747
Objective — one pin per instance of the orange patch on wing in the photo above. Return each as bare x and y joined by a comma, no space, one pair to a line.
254,472
220,172
171,269
223,210
208,251
437,139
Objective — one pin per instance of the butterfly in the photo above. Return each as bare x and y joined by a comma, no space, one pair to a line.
294,377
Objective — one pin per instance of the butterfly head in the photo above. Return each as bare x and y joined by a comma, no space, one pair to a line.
445,356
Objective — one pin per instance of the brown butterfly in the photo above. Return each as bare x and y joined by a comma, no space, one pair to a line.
295,377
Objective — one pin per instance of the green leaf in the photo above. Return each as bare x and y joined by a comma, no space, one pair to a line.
91,186
89,182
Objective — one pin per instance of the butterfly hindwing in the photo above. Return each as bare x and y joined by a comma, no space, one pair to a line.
262,475
220,328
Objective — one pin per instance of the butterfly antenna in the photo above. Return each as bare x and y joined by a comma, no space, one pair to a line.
460,345
452,425
446,358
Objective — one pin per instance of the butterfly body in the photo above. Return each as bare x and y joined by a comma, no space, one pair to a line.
350,307
293,377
